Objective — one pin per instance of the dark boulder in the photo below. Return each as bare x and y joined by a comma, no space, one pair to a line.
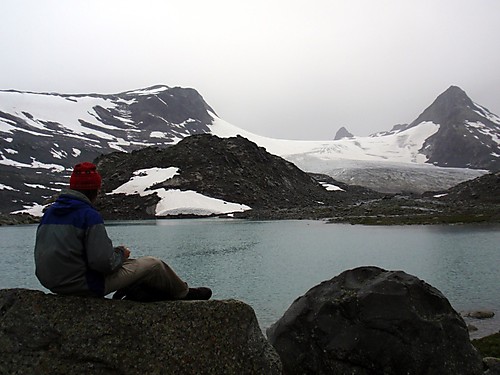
493,366
372,321
48,334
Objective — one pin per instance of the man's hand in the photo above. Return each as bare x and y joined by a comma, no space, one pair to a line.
125,250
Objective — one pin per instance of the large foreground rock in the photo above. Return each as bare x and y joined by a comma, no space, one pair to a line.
372,321
47,334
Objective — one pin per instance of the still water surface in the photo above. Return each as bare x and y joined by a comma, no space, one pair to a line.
270,263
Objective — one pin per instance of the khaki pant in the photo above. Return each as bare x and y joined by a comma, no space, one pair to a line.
150,271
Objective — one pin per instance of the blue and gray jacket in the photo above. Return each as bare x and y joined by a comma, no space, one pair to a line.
73,252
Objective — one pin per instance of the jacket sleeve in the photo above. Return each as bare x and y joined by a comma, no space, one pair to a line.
101,256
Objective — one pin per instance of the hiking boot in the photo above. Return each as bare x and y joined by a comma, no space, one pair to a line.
120,294
141,293
201,293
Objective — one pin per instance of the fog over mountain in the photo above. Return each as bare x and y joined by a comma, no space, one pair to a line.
42,135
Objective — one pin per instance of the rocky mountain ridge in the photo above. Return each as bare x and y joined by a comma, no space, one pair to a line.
42,135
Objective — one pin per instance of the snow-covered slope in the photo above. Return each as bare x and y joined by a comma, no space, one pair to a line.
401,147
388,163
453,140
121,122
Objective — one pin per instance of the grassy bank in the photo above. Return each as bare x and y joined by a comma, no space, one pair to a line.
488,346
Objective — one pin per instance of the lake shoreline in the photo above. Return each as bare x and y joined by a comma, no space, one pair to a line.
329,215
388,210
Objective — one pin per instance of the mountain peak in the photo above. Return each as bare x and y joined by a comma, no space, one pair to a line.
467,135
454,90
456,95
342,133
452,106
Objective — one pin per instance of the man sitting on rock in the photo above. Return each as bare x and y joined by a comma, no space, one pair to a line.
74,255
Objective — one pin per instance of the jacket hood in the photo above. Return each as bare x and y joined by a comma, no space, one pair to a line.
69,200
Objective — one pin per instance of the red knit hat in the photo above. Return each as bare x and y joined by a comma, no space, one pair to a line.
85,177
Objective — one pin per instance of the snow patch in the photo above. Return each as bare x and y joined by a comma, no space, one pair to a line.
38,186
331,187
440,195
144,179
487,114
483,129
34,164
177,202
58,154
7,126
6,187
158,134
124,119
148,91
188,121
34,210
174,201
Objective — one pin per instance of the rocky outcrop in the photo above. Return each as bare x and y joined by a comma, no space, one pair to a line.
18,219
484,189
232,169
48,334
372,321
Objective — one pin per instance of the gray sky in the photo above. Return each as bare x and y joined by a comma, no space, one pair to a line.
294,69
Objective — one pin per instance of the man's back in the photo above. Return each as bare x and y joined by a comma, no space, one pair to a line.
72,250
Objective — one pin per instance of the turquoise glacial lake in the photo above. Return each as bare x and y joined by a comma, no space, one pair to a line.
268,264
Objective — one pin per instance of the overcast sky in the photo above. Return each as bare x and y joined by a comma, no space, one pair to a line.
288,69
